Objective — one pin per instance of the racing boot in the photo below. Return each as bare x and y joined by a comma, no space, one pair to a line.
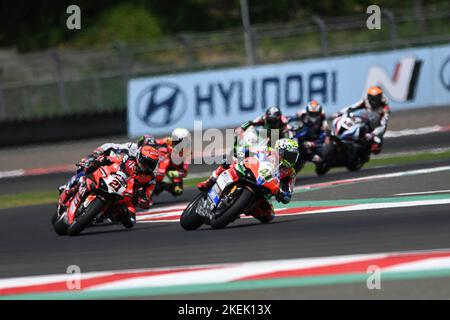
207,184
61,188
129,219
176,190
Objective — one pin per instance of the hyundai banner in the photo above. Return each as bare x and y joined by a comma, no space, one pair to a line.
226,98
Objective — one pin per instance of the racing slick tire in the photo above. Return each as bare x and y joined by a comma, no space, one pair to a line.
189,219
355,166
327,153
233,211
59,225
86,218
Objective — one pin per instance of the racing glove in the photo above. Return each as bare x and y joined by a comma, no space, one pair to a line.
86,163
144,203
309,144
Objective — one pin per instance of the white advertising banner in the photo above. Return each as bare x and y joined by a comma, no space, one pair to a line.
226,98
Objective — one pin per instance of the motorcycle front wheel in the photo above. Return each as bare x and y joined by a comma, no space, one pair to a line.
59,224
233,211
86,218
189,219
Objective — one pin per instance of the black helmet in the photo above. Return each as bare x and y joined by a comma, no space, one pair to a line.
146,140
272,118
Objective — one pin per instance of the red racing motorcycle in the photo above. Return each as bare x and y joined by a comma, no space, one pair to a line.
100,195
245,188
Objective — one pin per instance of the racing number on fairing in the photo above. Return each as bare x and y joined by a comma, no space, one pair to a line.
115,184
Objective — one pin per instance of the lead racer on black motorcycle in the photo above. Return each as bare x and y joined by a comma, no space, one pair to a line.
375,101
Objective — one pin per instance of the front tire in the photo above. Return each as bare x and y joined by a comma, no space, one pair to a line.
235,209
189,219
59,224
86,218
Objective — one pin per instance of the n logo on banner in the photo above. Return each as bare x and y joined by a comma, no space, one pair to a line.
402,86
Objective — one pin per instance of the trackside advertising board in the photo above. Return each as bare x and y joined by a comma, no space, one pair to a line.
226,98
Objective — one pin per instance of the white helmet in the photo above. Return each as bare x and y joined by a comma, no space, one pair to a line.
179,134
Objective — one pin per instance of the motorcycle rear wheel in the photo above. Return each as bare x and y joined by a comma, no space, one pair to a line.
86,218
235,209
189,219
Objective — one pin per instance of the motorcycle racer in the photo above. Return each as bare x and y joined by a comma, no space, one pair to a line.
375,101
174,170
288,155
272,119
139,167
106,149
313,118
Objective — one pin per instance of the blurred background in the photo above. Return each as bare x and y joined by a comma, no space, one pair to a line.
53,78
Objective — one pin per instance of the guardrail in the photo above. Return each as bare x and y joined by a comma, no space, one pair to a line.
64,82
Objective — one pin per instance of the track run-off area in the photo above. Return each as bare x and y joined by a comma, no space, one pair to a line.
321,245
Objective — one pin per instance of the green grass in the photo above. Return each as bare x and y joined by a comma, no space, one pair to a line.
47,197
28,199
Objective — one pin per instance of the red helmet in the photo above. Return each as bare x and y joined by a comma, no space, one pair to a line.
147,159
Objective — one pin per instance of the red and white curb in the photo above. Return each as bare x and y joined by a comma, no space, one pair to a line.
36,171
230,272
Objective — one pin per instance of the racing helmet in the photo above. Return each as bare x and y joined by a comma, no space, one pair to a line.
288,152
147,159
146,140
314,110
272,118
178,135
375,97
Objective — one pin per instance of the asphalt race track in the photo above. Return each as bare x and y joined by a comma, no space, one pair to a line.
30,246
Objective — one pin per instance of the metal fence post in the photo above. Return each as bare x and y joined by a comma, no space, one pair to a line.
186,43
98,94
60,75
2,99
323,35
123,62
392,27
418,12
248,34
